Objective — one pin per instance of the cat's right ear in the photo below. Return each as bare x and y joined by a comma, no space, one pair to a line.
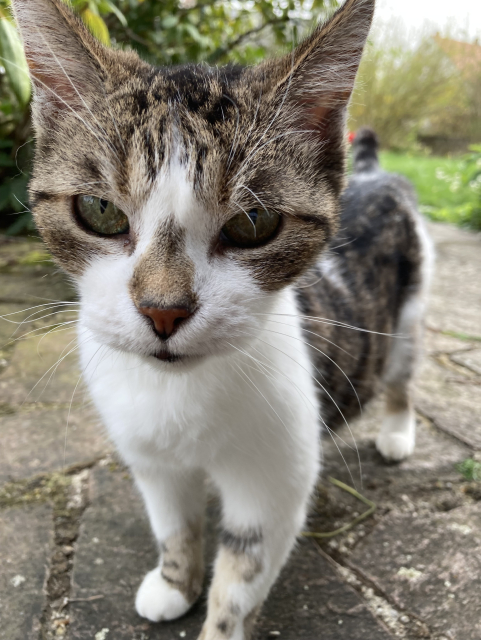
63,57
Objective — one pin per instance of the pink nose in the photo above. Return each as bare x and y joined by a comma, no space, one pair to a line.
166,321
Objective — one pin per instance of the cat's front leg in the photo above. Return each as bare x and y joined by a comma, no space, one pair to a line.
175,505
260,524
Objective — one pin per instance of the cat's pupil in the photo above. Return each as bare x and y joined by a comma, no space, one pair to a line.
253,215
103,205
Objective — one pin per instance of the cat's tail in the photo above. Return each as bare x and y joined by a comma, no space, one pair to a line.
364,151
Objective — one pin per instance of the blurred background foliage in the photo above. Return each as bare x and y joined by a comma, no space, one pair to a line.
423,98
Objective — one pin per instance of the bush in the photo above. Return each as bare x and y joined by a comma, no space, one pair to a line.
168,32
401,88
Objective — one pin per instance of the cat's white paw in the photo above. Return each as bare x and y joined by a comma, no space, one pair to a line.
156,600
397,437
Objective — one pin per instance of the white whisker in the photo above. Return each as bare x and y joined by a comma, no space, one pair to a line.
329,430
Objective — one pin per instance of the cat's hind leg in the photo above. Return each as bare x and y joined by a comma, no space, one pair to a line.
175,505
397,436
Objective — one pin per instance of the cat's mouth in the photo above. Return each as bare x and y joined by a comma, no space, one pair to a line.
165,356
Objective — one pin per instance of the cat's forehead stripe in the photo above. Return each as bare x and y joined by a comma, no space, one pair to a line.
172,197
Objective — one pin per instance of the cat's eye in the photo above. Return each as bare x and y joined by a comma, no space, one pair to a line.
250,229
101,216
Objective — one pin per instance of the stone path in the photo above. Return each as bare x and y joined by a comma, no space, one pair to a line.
74,540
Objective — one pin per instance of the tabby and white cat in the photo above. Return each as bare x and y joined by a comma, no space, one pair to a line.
190,206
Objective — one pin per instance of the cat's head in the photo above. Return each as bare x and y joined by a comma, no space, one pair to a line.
182,199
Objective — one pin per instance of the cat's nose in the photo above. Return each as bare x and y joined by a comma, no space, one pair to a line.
166,320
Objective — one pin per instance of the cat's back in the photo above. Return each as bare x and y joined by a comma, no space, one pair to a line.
352,300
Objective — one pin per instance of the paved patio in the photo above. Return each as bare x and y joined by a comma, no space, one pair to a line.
74,540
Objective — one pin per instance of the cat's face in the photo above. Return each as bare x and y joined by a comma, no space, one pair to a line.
182,200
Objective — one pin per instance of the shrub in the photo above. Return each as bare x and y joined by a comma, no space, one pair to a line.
401,88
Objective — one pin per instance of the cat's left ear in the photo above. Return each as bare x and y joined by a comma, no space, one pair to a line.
317,79
63,57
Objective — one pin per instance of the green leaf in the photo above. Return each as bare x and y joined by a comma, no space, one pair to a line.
6,160
108,7
96,25
170,21
195,35
14,61
4,196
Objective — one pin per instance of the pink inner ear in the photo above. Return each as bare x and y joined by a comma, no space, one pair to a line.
58,89
317,111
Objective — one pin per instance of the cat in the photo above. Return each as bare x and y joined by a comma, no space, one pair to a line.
202,216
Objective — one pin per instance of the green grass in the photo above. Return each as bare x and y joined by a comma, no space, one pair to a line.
470,469
443,192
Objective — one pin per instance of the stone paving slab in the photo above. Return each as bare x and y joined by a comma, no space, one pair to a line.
26,537
452,400
115,549
28,276
430,565
40,441
436,342
470,359
37,288
455,297
435,454
32,376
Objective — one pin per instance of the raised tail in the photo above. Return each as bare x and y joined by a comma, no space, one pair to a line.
364,151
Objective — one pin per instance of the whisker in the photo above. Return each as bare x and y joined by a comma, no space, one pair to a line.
324,423
70,407
38,329
329,430
328,394
54,367
334,323
254,120
323,389
27,210
48,315
318,335
243,186
56,329
248,216
14,313
267,401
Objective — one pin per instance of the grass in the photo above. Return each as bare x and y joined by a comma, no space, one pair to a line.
443,192
470,469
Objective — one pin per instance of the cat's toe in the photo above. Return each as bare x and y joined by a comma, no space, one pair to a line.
156,600
395,446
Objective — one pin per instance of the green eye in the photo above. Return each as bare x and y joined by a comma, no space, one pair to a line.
251,229
101,216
